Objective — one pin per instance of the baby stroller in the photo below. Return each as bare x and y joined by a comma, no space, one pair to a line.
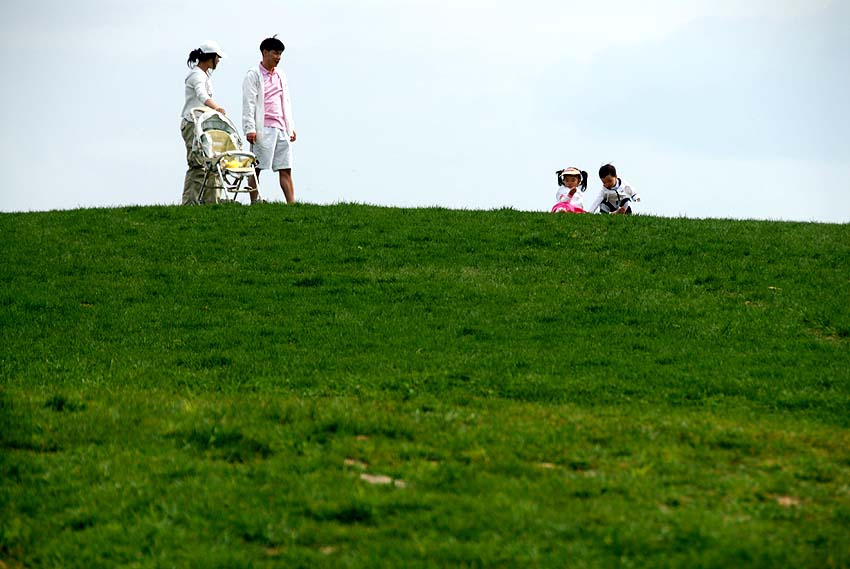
222,150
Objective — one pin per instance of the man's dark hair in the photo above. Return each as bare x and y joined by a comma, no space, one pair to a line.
607,170
272,44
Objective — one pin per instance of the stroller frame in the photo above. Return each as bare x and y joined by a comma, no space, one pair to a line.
221,147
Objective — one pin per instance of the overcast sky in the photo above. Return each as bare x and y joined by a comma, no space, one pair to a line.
710,108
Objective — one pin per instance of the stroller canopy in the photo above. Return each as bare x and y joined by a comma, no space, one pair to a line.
215,133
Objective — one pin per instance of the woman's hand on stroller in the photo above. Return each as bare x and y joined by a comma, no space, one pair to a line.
214,106
251,137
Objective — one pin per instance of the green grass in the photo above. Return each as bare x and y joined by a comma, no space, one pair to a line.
358,386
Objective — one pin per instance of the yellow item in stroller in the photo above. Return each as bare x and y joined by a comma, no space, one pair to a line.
223,154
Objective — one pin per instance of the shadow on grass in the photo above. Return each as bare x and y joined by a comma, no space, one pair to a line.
222,444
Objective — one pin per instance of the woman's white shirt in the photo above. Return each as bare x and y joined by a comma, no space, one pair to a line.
198,91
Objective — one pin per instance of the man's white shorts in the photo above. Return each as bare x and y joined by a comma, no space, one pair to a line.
273,150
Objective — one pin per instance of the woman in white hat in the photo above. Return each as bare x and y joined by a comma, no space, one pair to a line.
202,61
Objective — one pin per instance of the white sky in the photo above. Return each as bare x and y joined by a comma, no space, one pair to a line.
710,108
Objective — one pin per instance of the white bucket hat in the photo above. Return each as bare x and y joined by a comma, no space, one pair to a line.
211,46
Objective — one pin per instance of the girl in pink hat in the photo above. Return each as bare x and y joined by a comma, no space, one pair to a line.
572,183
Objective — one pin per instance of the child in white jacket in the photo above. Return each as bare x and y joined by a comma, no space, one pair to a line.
616,195
569,190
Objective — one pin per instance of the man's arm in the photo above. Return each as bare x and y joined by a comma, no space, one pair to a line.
287,109
250,89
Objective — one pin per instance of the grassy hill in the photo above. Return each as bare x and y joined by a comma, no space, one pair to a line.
358,386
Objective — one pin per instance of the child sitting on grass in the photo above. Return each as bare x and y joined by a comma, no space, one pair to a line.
570,194
616,196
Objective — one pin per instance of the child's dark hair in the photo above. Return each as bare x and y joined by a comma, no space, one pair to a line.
197,56
272,44
582,186
607,170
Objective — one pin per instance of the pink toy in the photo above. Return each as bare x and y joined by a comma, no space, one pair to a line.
566,207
